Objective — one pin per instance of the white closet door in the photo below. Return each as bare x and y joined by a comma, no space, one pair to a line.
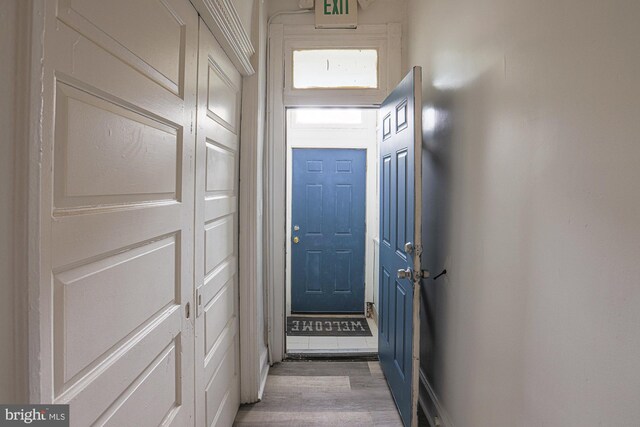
217,344
117,207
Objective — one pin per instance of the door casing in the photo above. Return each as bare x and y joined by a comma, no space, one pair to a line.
362,136
389,36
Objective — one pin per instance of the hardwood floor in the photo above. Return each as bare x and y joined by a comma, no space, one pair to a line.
323,393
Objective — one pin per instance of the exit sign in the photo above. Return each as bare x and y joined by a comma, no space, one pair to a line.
336,13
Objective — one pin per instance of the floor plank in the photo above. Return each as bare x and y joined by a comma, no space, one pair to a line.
323,393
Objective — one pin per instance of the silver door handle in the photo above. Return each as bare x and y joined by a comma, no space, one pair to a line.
404,274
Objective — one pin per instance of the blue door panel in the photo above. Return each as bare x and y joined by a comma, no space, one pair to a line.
328,207
397,226
313,208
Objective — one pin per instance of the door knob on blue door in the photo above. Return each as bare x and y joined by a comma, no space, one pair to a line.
296,240
404,274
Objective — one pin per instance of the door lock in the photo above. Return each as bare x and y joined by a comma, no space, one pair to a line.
296,240
296,228
408,247
409,274
404,274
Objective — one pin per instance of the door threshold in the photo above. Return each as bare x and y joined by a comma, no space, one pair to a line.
329,356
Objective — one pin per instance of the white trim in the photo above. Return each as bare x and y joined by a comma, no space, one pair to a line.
356,137
30,99
275,152
27,141
264,364
222,19
385,38
443,417
274,193
248,265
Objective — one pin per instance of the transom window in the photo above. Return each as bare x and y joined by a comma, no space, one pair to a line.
335,69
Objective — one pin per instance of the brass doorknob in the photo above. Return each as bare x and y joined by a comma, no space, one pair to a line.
296,239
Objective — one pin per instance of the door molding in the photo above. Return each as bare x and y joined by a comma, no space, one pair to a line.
224,22
281,38
350,141
28,142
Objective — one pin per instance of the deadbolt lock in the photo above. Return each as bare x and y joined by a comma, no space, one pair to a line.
296,228
408,247
296,239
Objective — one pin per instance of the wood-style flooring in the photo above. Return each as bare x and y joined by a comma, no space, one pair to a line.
323,393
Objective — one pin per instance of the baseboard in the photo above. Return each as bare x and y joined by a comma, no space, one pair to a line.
440,418
264,372
374,313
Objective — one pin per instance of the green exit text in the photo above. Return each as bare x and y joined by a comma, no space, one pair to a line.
336,7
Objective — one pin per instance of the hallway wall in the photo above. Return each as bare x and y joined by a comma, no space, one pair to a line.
532,206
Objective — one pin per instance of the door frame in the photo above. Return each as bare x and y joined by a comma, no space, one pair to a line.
370,215
283,38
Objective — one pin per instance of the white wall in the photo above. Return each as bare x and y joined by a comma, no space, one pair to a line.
8,33
533,207
361,136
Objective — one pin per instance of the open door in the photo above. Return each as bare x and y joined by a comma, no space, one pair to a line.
400,242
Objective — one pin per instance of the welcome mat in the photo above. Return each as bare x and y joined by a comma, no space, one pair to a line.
309,326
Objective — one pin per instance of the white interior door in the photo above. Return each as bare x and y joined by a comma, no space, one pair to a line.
217,344
117,206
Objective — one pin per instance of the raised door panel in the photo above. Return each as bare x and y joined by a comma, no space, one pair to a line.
117,230
134,34
217,343
108,154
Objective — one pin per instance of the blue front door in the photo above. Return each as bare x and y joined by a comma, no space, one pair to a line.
328,231
400,243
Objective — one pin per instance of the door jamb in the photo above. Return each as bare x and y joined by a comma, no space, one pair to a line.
370,154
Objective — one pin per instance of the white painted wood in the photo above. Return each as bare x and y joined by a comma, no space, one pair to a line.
222,18
27,226
216,235
360,136
275,156
116,212
254,356
385,38
275,152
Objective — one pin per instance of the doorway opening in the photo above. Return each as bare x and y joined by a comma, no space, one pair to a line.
332,210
